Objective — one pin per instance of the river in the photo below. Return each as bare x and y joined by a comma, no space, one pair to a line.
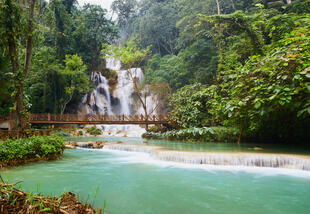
135,182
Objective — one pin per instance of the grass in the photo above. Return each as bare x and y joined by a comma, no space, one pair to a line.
14,200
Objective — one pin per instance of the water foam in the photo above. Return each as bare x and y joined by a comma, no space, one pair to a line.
267,164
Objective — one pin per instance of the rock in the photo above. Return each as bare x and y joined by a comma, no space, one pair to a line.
98,145
84,144
258,149
144,141
89,145
73,144
70,146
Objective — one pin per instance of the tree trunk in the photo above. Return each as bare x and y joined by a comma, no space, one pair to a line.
21,121
20,107
240,135
146,114
218,7
29,39
233,4
143,103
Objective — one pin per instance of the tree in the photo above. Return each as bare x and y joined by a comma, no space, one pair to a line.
14,20
76,81
125,11
93,29
45,82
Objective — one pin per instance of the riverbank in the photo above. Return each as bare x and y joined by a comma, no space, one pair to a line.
88,145
32,149
13,200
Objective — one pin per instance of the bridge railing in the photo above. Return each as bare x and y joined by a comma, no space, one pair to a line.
93,118
83,117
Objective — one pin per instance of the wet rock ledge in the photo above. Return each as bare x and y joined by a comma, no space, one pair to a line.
89,145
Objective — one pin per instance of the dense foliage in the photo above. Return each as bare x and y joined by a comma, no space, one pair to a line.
66,48
35,147
240,63
204,134
245,64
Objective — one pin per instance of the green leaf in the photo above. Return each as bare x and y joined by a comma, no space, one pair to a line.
257,105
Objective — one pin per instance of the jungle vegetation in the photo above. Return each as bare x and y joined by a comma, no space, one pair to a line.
234,63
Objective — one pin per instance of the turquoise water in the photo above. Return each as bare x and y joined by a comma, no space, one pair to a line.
202,147
131,183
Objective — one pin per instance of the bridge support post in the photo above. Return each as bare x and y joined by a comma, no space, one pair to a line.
49,116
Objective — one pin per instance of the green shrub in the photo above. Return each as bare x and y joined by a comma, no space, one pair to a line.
61,133
225,134
157,129
205,134
32,147
93,131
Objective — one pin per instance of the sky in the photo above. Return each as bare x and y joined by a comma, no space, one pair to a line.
104,3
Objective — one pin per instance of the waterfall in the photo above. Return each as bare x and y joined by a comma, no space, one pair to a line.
122,100
125,88
99,100
113,64
224,159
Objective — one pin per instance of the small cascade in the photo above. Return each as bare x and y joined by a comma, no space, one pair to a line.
132,148
125,88
99,100
122,130
223,159
113,64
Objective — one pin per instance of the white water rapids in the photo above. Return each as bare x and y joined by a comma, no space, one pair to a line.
285,161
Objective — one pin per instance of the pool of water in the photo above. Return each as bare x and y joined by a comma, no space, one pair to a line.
134,183
202,147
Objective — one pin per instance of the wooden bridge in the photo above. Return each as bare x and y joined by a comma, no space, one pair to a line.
92,119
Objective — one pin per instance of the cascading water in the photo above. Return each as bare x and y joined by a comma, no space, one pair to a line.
99,101
125,86
225,159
